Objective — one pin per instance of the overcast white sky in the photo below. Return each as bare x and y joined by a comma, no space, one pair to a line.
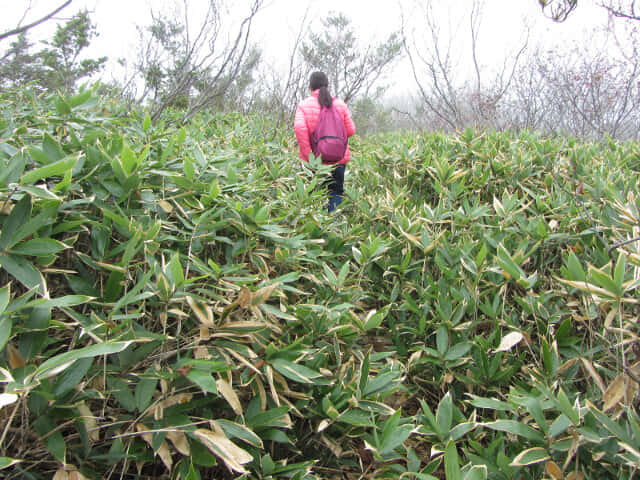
276,26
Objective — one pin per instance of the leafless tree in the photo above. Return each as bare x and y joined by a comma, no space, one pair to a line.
601,94
628,9
23,28
353,69
195,67
453,99
279,92
559,10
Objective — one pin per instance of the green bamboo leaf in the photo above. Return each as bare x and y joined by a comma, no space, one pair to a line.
144,391
203,379
72,376
54,440
509,266
181,136
295,371
52,148
5,296
40,156
374,319
530,456
30,226
357,417
461,430
62,107
396,439
490,403
189,171
575,268
604,280
275,417
477,472
5,330
60,302
516,428
391,424
344,271
80,98
610,424
451,462
19,216
442,339
36,328
11,173
236,430
381,383
39,247
120,390
62,361
24,272
55,169
418,476
565,407
128,160
618,273
364,372
560,425
535,409
6,462
174,271
146,123
444,413
459,350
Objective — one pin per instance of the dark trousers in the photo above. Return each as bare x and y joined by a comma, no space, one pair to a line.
336,187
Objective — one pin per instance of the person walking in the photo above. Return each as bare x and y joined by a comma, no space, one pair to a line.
306,121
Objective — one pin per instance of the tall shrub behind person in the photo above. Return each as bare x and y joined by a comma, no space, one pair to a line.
306,121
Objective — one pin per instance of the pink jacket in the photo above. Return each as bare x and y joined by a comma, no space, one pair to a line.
306,120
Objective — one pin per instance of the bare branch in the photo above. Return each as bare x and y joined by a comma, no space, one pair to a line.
19,30
620,11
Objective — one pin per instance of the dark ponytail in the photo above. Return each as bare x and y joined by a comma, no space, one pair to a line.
319,81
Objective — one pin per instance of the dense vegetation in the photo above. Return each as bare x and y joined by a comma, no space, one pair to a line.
176,303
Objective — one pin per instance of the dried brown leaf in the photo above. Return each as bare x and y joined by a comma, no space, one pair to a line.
244,297
232,455
230,395
165,455
588,366
166,206
61,474
575,476
272,387
619,392
567,365
205,334
163,452
89,421
554,470
262,393
202,312
180,441
262,295
201,353
15,359
76,475
6,207
509,341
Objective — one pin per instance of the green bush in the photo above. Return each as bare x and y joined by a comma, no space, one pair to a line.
177,304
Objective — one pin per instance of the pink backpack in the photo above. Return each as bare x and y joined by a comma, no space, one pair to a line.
329,139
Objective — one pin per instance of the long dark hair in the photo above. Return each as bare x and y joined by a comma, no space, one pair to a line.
320,81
